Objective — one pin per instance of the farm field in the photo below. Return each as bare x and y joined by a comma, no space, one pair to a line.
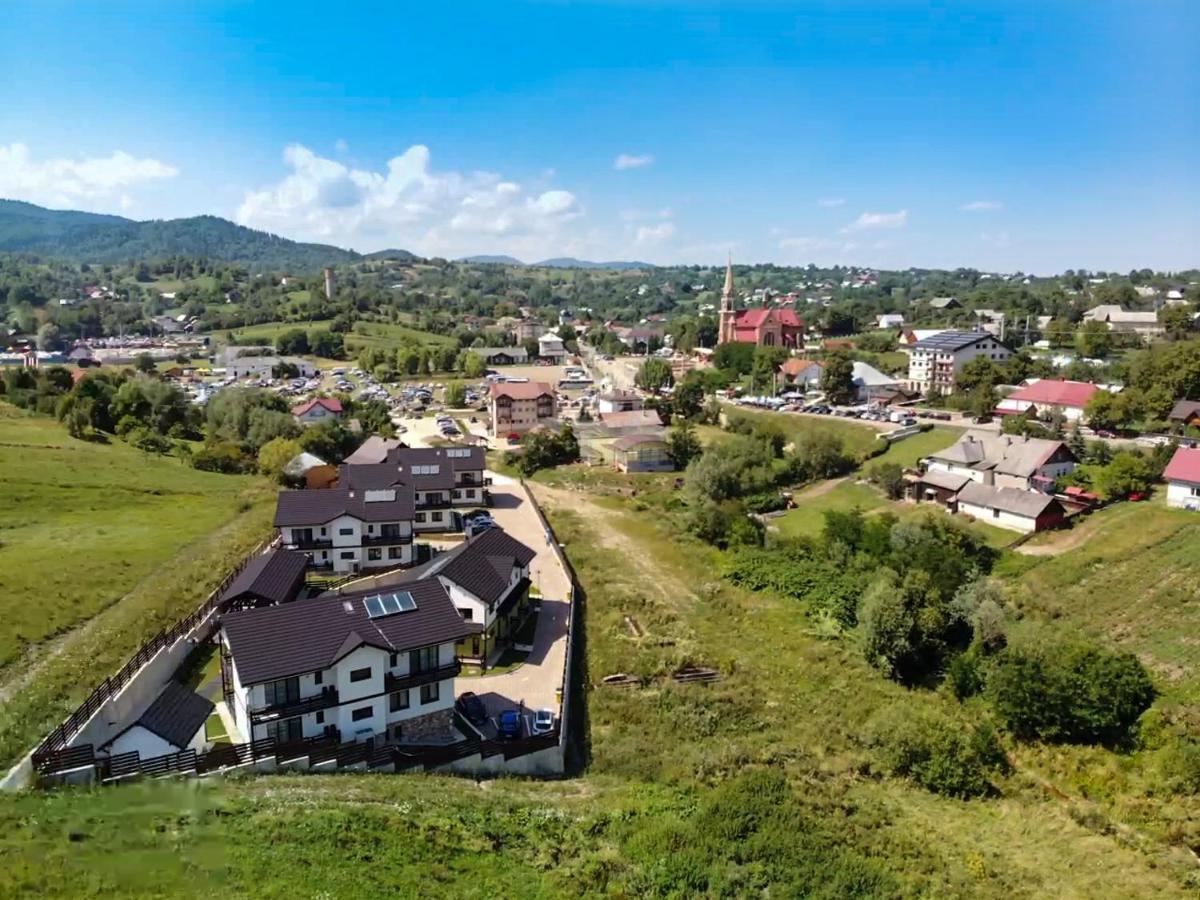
100,533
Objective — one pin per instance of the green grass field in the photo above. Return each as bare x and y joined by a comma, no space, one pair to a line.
102,536
857,438
908,451
383,335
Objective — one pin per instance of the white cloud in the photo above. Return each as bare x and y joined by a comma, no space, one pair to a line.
410,205
653,234
65,181
879,220
831,202
632,161
982,206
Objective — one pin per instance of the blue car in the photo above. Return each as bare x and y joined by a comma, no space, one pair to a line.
508,723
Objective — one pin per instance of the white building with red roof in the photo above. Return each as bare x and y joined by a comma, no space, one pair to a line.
1182,476
318,409
762,327
1046,396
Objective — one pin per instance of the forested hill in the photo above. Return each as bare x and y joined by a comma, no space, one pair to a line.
88,237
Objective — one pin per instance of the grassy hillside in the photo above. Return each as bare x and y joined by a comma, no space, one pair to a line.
384,335
857,438
100,533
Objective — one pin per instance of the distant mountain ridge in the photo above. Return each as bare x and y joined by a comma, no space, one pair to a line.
99,238
96,238
558,262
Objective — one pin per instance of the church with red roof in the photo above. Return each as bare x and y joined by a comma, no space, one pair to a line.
762,327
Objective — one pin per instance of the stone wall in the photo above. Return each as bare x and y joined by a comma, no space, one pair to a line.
434,727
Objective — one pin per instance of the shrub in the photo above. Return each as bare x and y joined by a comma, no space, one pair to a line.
222,456
944,755
888,477
1077,693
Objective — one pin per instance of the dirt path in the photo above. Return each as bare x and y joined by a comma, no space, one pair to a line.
604,525
819,490
1064,540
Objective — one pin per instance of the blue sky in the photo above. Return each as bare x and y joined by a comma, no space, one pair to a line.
1032,136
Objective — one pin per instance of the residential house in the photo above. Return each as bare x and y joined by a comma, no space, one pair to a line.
935,363
346,529
636,420
529,329
1143,324
315,472
487,580
263,366
172,723
501,356
1043,397
376,665
619,401
518,406
945,303
803,373
374,450
318,410
1185,412
870,383
267,579
550,346
1010,507
889,320
1182,476
642,453
440,480
911,336
1003,460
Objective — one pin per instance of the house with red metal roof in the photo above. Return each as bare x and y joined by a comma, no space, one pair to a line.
1046,396
1182,476
318,409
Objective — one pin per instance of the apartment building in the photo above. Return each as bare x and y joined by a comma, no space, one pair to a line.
440,480
374,666
519,406
345,529
935,363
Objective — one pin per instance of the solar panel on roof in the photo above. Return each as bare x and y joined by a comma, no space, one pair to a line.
389,604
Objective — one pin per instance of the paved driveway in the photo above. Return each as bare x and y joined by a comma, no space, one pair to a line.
536,681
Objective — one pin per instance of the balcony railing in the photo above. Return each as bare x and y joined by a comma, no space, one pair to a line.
311,543
323,700
416,679
383,540
443,503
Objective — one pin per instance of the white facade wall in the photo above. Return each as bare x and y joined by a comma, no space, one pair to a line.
150,745
1183,495
316,415
348,553
1002,519
922,364
1070,413
354,695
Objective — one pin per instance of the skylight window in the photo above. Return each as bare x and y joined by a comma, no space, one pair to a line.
425,470
379,605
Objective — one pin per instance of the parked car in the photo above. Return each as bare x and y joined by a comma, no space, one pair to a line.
471,708
508,723
543,721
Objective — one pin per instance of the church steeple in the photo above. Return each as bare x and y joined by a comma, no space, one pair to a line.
725,323
727,293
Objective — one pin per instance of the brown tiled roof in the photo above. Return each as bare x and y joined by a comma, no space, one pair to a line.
176,714
307,635
275,576
521,390
316,507
630,441
483,565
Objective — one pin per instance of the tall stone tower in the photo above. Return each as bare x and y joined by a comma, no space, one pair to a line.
329,284
726,327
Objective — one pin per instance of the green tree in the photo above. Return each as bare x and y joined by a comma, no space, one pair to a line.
472,365
1176,321
688,397
1128,473
275,454
456,394
837,378
654,374
683,445
888,477
144,363
293,342
1093,340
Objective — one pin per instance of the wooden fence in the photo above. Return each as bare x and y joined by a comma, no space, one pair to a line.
61,736
315,751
